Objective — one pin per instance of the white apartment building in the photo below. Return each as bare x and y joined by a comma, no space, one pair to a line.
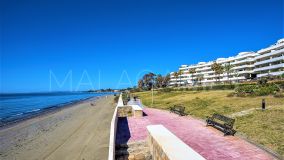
270,61
245,66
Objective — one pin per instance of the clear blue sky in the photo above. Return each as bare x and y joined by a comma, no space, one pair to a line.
43,40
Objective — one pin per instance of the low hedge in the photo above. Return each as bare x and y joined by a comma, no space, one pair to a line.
240,88
257,90
214,87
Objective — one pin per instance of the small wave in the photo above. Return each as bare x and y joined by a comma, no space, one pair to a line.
17,114
33,110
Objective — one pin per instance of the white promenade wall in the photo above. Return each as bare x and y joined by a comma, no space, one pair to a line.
165,145
113,127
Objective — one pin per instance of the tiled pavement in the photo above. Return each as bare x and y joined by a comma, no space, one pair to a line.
207,141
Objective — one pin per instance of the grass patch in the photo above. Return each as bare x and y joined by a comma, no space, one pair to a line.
266,128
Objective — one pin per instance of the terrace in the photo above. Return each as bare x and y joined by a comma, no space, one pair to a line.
206,141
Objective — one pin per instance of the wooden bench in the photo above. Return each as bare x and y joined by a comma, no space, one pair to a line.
222,123
178,110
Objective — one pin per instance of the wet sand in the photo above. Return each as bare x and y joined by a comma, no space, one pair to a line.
77,132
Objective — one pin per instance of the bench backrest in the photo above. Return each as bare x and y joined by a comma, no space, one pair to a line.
223,118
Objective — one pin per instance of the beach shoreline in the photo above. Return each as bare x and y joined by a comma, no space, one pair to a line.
45,112
82,127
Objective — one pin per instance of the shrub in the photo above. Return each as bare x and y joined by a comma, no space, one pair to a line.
223,87
266,90
217,87
256,90
262,91
199,88
116,98
125,97
190,89
214,87
232,94
207,88
262,81
280,84
166,90
241,94
246,89
279,95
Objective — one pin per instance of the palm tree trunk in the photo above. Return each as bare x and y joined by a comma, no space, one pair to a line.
229,78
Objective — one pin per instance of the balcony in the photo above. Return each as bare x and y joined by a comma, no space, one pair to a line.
271,73
270,60
204,65
213,76
225,74
206,81
269,67
208,72
243,61
270,54
188,67
238,78
243,66
203,69
271,48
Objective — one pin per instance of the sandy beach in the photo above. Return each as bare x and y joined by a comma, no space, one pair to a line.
77,132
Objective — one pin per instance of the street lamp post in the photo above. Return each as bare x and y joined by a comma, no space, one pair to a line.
153,90
152,95
263,105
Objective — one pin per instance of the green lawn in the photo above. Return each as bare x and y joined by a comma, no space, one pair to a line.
265,128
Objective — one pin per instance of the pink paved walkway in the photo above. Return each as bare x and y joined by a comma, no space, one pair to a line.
207,141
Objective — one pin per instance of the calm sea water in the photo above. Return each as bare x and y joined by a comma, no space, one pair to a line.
14,107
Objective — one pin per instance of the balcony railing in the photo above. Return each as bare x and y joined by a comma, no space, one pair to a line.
243,61
271,48
243,66
270,54
269,67
271,73
270,60
203,69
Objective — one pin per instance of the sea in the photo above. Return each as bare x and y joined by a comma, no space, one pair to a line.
15,107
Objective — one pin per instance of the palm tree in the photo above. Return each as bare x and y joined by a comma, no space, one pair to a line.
148,80
192,71
176,76
218,69
159,81
179,74
152,78
282,76
140,84
228,69
200,77
166,80
236,73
